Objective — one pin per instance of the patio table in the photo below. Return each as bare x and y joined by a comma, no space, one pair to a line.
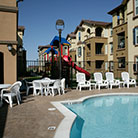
3,86
45,84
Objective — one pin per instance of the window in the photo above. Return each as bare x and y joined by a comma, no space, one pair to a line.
99,64
135,36
121,62
121,40
111,45
136,7
79,36
79,51
65,50
79,64
135,66
106,65
111,32
106,49
98,31
98,48
111,66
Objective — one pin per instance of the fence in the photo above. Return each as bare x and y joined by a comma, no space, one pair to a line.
43,68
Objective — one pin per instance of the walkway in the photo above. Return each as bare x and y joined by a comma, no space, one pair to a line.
32,118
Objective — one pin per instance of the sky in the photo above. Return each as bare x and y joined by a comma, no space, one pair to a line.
39,18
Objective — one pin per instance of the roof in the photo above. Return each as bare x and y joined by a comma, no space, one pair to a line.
21,28
124,2
42,47
91,22
79,28
71,35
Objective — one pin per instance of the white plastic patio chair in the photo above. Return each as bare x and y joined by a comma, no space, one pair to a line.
63,85
98,78
10,93
29,85
37,87
126,80
82,82
111,80
55,88
46,78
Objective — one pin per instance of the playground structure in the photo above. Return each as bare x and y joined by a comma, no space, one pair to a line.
66,59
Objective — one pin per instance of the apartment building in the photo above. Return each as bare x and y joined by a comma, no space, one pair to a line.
125,37
90,45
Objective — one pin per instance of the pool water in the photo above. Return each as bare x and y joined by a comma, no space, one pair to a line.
106,117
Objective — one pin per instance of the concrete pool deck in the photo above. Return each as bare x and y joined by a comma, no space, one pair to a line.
32,118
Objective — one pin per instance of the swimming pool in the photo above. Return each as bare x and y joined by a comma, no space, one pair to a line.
106,117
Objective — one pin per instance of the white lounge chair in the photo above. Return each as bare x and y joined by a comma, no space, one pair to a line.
63,85
55,87
111,80
126,80
98,78
13,91
82,82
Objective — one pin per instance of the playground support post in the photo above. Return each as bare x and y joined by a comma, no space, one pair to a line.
60,27
60,63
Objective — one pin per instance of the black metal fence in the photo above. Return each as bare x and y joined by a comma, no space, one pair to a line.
47,69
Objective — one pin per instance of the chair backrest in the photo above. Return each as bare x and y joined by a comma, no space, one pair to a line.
36,84
63,83
80,78
46,78
15,87
98,77
57,84
109,76
125,76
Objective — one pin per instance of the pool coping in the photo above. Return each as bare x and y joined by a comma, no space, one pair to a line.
64,128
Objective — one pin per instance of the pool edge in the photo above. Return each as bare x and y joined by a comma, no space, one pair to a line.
64,128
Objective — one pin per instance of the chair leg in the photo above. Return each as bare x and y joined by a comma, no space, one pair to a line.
27,92
63,91
10,101
80,88
18,99
59,91
98,87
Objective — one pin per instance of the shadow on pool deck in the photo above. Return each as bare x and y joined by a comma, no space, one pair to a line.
32,118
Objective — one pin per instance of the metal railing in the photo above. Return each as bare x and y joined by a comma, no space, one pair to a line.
43,68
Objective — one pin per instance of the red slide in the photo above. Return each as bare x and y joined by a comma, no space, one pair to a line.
70,63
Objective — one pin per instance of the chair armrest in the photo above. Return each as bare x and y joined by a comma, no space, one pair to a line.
88,82
105,81
133,80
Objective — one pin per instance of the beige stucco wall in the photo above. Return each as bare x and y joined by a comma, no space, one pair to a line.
11,3
8,29
9,65
110,40
7,26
